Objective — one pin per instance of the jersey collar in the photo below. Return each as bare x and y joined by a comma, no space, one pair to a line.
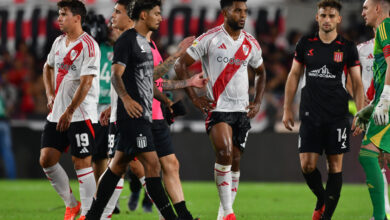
230,37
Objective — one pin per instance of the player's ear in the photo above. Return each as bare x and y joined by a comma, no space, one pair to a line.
224,12
143,15
339,19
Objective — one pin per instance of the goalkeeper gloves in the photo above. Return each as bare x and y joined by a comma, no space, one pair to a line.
363,116
381,112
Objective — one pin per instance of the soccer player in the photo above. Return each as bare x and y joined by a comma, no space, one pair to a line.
226,52
132,78
71,82
376,14
324,59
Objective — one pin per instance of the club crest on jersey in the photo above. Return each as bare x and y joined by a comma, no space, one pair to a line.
73,55
110,56
245,48
338,57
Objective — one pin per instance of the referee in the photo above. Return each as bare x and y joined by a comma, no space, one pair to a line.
324,59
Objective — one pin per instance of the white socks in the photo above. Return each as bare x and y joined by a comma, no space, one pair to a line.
223,179
60,181
87,187
235,182
107,213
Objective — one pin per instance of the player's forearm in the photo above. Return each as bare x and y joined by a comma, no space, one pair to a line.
358,95
164,68
290,90
387,78
260,86
174,84
159,95
81,92
48,80
118,85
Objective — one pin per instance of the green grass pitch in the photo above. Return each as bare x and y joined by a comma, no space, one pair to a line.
36,199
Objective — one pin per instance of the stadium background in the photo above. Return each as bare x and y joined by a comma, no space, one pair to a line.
28,28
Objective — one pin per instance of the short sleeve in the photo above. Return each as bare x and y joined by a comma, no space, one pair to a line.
299,51
121,51
198,48
50,57
91,63
353,56
256,60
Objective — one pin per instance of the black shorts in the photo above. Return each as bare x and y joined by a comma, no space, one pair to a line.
80,137
162,138
135,136
333,138
113,138
239,122
99,152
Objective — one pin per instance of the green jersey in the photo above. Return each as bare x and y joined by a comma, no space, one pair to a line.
105,73
381,50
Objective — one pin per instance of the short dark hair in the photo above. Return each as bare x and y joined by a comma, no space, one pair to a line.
75,6
143,5
128,4
330,3
228,3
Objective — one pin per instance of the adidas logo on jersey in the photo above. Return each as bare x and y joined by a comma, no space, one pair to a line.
370,56
323,72
57,53
84,151
223,46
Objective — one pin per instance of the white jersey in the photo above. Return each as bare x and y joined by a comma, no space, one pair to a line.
79,58
114,103
366,57
225,62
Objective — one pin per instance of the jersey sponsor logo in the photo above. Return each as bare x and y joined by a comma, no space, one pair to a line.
92,67
66,67
232,61
73,54
323,72
142,142
310,52
223,46
338,57
142,49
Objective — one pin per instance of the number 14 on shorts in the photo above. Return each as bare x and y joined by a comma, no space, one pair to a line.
342,137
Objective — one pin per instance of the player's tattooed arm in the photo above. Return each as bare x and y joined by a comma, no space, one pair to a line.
133,108
48,81
157,94
196,80
163,68
254,107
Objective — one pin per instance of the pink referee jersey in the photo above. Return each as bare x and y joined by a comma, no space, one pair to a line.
156,107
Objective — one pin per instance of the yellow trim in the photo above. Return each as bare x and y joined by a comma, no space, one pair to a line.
376,140
381,32
384,31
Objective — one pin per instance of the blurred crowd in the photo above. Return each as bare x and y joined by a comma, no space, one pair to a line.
21,73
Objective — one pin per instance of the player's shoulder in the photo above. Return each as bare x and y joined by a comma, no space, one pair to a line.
90,44
59,39
312,37
365,44
210,33
251,39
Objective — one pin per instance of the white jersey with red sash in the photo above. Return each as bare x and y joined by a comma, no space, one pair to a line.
79,58
225,62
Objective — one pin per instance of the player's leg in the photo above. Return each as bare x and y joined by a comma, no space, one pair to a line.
135,190
107,184
81,138
99,152
49,161
334,184
383,166
154,185
222,141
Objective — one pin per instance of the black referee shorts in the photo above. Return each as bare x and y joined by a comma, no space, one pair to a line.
162,138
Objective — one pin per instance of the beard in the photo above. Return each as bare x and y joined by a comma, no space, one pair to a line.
234,25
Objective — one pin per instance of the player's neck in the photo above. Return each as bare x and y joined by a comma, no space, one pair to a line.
233,33
380,20
73,35
327,37
141,28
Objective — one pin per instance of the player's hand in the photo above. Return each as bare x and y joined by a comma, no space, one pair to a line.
203,103
105,117
361,119
169,104
254,108
198,81
186,43
64,122
288,119
133,108
381,112
50,102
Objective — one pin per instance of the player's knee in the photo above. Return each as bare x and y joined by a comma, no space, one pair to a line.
225,156
81,163
152,168
172,166
46,161
308,168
